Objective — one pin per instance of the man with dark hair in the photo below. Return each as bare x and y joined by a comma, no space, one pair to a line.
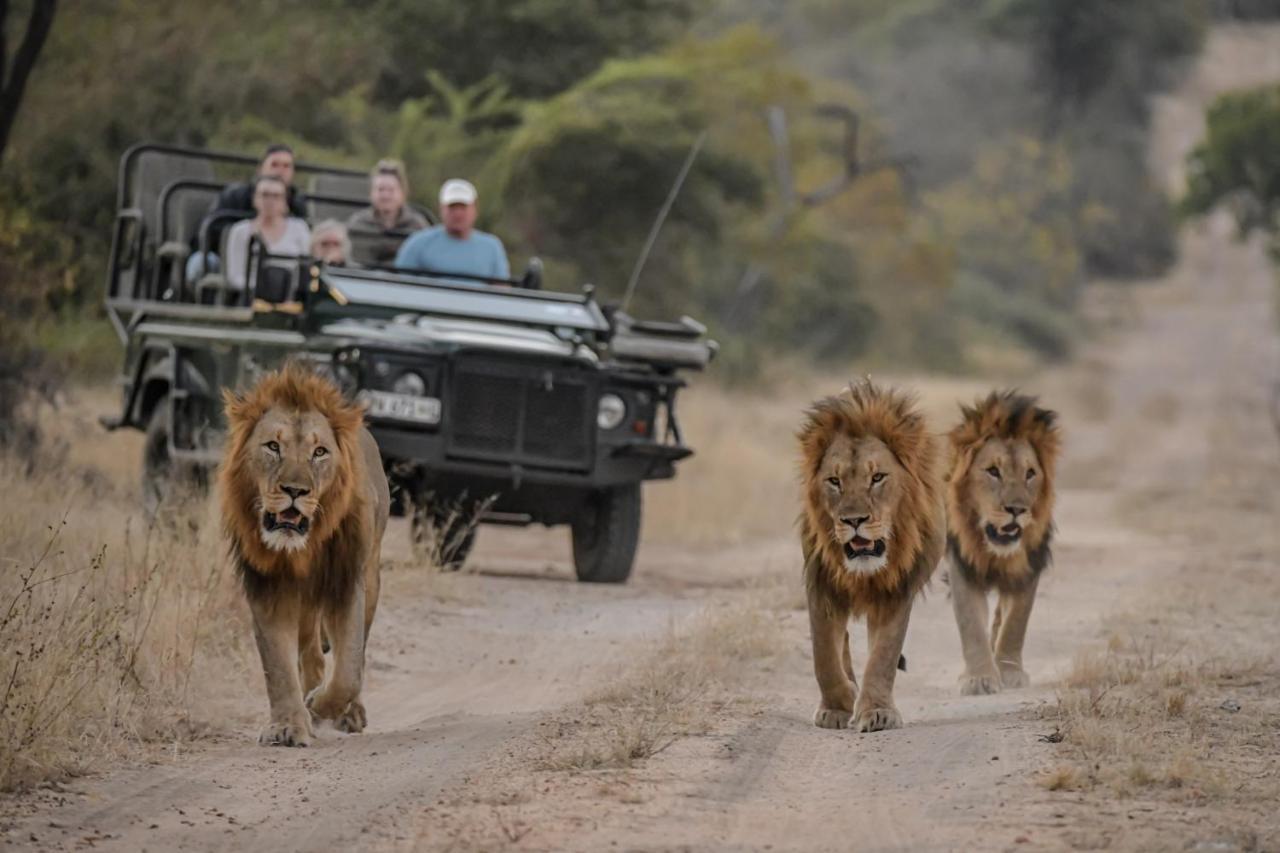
276,162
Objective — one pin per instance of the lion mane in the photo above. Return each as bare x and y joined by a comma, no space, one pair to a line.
339,531
1007,415
866,410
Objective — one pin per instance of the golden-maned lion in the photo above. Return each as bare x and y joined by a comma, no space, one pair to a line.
1000,512
304,504
872,532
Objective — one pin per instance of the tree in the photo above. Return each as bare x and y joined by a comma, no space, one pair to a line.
537,47
1237,160
13,75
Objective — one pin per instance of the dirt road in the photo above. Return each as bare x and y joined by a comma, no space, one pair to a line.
466,671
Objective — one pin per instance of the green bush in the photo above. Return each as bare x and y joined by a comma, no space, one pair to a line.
1238,161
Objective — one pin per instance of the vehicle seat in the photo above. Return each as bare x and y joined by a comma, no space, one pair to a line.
154,171
352,189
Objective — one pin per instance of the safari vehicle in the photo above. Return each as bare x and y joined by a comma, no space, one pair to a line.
493,401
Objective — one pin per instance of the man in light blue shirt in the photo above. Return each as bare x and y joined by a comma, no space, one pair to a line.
455,246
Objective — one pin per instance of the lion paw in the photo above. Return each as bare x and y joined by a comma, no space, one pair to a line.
348,716
878,720
831,718
1013,678
979,685
353,719
286,733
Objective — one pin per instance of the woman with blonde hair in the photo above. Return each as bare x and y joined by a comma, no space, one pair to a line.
379,229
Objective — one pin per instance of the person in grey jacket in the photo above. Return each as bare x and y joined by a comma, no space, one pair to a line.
378,230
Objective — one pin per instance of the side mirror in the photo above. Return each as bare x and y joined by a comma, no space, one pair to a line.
532,278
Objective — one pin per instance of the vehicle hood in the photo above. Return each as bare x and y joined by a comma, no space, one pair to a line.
412,331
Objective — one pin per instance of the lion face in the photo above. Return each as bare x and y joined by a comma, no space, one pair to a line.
1005,483
291,459
862,486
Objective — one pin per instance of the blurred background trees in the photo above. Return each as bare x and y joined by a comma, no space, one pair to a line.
1239,160
1024,123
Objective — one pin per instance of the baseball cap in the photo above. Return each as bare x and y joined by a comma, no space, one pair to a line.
457,191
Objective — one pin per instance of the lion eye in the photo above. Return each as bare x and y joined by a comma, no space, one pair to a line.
1031,472
878,477
273,446
994,472
319,452
833,482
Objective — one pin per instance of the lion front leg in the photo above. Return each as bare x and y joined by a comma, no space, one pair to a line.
828,625
1015,610
970,604
311,653
339,698
886,634
275,628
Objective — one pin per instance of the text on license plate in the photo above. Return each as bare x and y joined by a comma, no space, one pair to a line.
401,407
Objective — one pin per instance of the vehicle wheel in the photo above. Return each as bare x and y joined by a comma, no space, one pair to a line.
443,533
157,466
164,483
605,535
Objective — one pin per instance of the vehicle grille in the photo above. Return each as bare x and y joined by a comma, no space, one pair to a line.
513,412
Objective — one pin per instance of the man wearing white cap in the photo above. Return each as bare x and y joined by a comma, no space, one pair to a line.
455,246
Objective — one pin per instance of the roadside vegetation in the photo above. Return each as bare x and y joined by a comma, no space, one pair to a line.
1236,164
117,634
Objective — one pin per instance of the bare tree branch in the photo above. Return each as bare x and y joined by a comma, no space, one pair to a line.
13,83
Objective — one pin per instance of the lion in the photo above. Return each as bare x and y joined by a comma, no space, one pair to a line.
304,504
872,532
1000,512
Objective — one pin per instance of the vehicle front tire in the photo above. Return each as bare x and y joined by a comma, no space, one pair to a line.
605,535
165,484
443,533
158,474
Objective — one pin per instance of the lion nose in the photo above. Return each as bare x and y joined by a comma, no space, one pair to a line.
857,522
1015,511
295,492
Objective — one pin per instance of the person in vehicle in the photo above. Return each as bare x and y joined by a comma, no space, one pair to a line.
456,246
280,233
381,227
276,162
331,243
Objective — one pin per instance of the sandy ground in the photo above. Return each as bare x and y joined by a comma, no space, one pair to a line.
469,674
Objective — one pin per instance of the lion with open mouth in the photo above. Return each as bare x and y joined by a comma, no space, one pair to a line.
305,503
872,533
1000,513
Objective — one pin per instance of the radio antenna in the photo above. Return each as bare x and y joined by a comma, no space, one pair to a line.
662,217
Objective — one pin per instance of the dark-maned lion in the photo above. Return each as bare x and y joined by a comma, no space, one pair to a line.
304,504
872,532
1000,513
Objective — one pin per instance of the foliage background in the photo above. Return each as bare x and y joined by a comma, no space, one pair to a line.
1024,123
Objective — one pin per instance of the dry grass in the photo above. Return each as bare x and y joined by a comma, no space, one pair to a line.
674,692
114,632
1147,713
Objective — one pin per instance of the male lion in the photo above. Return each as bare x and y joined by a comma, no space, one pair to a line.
872,532
1000,511
305,503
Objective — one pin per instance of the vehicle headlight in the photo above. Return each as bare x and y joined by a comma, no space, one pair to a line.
410,383
611,412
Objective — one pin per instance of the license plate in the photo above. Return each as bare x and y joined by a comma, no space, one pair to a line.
401,407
